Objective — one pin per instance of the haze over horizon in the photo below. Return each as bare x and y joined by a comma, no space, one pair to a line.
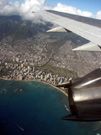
24,8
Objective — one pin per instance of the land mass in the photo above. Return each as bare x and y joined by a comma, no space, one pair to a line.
27,52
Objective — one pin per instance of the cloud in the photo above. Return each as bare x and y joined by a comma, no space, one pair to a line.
25,9
28,6
72,10
9,8
98,16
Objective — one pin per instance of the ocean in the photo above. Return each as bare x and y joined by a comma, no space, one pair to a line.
35,108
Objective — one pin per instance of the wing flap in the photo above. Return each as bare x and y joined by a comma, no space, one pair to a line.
88,47
57,29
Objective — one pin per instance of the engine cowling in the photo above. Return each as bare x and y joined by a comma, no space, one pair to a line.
85,98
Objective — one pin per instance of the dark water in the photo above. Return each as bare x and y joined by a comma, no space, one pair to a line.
33,108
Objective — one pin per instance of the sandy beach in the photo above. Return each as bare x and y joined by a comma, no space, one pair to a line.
39,81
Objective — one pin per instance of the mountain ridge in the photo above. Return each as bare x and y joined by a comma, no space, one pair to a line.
24,41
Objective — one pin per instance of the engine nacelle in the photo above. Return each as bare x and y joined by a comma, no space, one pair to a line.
85,98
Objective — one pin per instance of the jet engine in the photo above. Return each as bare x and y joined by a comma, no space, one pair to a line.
85,97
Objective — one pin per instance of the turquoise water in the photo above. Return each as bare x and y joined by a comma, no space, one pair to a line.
33,108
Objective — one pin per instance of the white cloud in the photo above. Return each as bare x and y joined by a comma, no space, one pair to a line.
72,10
98,16
9,8
25,9
28,6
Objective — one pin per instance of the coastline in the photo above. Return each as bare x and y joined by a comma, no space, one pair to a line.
39,81
53,87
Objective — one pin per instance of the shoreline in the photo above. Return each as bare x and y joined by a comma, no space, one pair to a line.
53,87
38,81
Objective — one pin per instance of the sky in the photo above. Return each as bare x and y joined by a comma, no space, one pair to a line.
89,8
85,5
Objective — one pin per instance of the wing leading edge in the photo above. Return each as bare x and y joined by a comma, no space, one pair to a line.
88,28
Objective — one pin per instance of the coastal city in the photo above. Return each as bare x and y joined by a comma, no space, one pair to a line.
44,56
22,72
20,65
40,52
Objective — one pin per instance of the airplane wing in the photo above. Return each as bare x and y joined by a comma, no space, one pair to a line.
85,94
87,28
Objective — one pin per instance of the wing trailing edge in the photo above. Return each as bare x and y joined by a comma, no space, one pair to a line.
88,47
87,28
